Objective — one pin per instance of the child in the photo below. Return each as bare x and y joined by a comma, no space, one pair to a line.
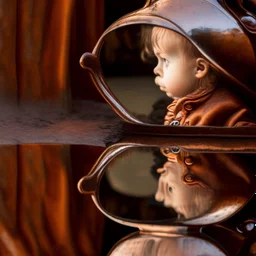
200,97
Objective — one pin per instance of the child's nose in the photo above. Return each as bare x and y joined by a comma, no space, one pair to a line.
157,70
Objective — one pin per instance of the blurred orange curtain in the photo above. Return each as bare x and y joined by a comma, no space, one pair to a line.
38,41
43,32
8,81
41,43
42,212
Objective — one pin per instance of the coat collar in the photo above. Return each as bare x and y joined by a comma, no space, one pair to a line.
190,101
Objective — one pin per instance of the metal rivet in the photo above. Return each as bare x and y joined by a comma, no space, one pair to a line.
175,123
189,160
175,150
249,22
188,178
188,107
247,227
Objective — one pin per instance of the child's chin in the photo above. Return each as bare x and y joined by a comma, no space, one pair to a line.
171,96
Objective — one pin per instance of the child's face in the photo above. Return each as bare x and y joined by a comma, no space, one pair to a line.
173,192
175,71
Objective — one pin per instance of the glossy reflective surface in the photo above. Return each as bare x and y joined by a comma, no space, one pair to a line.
39,196
184,196
42,213
173,193
161,246
210,241
153,185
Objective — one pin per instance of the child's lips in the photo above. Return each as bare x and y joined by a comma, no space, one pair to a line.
157,81
161,87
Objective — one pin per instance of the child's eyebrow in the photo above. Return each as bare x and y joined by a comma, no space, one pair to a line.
160,54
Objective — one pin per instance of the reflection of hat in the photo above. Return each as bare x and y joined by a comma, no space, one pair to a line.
211,28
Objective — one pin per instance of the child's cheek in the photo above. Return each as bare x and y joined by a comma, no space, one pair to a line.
169,80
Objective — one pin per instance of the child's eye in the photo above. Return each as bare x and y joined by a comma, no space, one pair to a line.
165,61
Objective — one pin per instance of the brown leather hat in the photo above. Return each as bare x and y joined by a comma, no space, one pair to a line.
221,30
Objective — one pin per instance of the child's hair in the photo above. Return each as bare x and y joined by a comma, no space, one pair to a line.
151,36
167,36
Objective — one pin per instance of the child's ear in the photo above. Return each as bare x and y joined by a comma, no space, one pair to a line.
202,68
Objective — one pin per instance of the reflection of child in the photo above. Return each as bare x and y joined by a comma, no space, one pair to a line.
188,201
197,184
187,77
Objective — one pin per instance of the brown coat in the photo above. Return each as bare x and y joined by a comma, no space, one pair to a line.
211,107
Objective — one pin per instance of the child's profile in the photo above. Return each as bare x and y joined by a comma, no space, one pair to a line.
200,94
181,69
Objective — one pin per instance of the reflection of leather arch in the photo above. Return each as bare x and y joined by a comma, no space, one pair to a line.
90,183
